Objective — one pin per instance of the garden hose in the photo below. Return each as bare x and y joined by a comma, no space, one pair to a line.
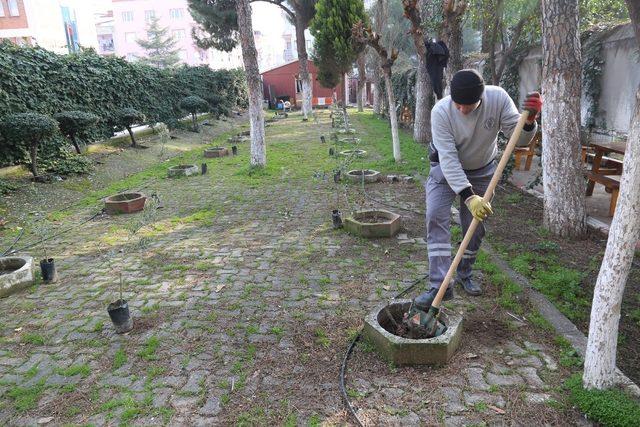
352,345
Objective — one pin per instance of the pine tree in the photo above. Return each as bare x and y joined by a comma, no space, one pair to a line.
159,46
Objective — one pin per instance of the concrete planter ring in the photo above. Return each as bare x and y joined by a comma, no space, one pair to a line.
347,131
16,273
355,153
183,170
216,152
124,203
378,329
349,140
373,223
358,175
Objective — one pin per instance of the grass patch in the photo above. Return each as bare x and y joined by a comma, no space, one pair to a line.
84,370
119,359
607,407
149,350
34,339
25,398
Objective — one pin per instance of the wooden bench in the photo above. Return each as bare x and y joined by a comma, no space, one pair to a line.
608,166
529,151
611,184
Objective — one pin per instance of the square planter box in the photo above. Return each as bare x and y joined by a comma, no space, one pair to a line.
216,152
373,223
183,170
16,273
406,351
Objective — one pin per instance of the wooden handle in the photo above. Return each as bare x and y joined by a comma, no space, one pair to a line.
487,198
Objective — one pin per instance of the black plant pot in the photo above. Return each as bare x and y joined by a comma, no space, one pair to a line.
331,151
204,168
120,316
322,139
336,177
337,220
48,270
234,150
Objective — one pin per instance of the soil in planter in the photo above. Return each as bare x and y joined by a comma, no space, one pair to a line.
372,218
361,172
124,197
399,327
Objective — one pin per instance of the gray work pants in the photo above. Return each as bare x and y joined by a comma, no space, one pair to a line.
440,198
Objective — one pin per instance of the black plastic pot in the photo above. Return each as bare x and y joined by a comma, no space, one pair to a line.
120,316
322,139
337,220
48,270
234,150
331,151
204,168
333,122
336,177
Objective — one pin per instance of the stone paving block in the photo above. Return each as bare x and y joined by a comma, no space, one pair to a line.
211,406
530,375
514,349
536,398
476,379
161,396
503,380
549,362
526,361
471,398
452,400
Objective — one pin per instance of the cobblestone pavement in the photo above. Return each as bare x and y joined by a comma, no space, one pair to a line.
244,299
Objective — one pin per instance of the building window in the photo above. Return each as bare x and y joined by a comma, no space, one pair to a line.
298,86
149,15
176,13
127,16
178,34
130,37
13,8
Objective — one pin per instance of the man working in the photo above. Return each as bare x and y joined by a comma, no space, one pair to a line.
464,128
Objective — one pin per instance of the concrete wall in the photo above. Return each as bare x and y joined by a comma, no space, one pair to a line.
620,81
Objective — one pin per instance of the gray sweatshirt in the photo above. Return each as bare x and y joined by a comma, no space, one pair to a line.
469,142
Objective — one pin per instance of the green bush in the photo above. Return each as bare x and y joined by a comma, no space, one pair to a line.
67,163
194,105
606,407
34,79
7,187
74,123
27,130
128,117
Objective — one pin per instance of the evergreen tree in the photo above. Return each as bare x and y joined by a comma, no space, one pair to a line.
334,52
159,46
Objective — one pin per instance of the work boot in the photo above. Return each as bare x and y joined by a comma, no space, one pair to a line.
424,300
470,287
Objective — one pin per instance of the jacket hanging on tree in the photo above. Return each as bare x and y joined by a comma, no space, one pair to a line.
437,57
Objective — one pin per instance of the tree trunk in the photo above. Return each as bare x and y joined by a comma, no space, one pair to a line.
74,141
249,56
33,152
424,103
452,13
305,76
362,81
491,72
195,122
485,44
600,357
564,186
393,117
133,138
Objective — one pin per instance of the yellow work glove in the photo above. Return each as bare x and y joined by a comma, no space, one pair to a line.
478,207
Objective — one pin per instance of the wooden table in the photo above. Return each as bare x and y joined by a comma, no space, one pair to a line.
605,176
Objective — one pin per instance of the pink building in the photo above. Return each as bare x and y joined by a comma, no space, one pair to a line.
131,19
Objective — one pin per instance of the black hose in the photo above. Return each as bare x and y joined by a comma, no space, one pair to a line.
14,242
352,345
54,235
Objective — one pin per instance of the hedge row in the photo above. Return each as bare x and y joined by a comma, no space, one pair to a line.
34,79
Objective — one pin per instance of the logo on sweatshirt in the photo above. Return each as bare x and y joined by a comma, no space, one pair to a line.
490,123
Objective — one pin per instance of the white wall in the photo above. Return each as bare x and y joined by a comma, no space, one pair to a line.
619,84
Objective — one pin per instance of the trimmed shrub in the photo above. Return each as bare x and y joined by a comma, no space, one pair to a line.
126,118
194,105
34,79
27,130
73,123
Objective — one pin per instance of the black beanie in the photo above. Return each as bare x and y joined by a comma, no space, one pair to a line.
467,87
